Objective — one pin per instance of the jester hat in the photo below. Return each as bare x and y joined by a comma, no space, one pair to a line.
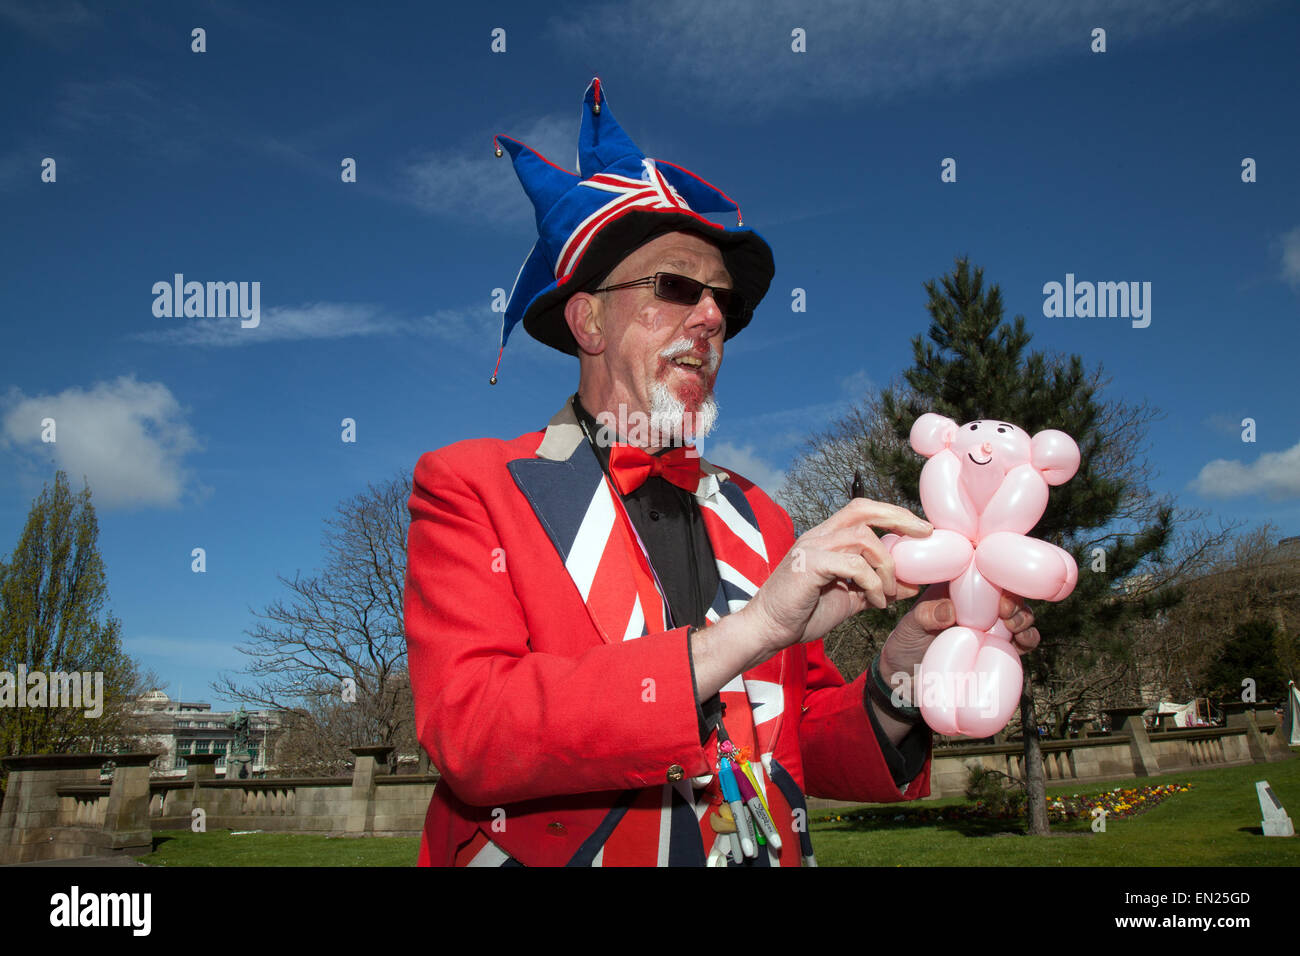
619,200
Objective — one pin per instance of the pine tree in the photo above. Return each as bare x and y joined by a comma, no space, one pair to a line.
973,367
52,594
1251,652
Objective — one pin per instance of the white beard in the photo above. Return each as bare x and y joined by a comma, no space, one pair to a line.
669,419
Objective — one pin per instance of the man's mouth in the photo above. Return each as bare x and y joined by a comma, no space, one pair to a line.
977,461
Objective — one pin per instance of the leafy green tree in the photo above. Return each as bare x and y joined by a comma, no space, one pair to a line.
1250,652
53,590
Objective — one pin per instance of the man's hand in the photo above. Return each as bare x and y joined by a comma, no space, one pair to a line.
934,613
833,571
928,618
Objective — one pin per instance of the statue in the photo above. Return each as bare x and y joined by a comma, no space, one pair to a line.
239,723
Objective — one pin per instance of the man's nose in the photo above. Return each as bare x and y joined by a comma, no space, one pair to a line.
705,318
987,448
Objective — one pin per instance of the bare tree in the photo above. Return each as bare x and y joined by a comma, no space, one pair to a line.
332,656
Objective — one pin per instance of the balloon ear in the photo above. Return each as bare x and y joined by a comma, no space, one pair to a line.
1055,454
932,433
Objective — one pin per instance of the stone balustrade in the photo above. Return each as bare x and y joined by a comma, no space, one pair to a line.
56,806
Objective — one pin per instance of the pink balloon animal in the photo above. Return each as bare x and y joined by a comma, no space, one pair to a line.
983,489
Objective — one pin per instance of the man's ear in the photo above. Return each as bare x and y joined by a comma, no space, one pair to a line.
586,321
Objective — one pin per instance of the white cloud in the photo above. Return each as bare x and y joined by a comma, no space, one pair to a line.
801,419
184,649
127,439
1276,475
471,184
737,54
747,464
320,320
1224,424
857,385
317,320
51,20
1291,258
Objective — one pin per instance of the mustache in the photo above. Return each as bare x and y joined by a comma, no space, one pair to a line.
689,347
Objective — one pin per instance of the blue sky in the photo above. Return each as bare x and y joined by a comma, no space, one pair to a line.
376,295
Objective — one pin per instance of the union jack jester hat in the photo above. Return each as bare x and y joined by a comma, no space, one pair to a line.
619,200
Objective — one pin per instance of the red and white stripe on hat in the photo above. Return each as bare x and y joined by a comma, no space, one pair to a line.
653,192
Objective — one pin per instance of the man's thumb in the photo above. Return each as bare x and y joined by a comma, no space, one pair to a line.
937,615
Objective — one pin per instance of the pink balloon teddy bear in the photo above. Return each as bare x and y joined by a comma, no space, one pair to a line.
983,489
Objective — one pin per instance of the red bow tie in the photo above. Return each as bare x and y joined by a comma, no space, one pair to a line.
630,466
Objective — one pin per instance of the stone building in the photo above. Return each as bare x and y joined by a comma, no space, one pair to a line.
176,729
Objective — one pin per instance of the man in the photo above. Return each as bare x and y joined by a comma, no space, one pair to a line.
614,644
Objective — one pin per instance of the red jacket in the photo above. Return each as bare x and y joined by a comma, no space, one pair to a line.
535,718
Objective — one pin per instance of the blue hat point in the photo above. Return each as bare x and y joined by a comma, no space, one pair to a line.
619,199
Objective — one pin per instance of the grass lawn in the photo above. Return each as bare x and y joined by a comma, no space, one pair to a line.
220,848
1216,823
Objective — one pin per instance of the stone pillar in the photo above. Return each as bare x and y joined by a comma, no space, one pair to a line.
372,761
1272,731
126,824
1239,713
201,766
200,769
29,821
235,766
1128,721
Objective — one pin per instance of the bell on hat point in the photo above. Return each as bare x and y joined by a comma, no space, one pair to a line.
595,108
498,152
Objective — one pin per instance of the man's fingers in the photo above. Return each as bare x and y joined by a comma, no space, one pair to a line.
935,616
1008,604
1016,616
1025,641
850,567
862,540
877,514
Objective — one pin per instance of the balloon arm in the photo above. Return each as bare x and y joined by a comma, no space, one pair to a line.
946,506
1025,566
1017,505
940,557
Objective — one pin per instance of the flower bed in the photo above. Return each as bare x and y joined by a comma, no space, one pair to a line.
1120,803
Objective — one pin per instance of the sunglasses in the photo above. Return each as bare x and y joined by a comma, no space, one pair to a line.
683,290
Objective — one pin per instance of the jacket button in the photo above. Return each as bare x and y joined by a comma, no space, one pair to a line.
675,773
556,829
